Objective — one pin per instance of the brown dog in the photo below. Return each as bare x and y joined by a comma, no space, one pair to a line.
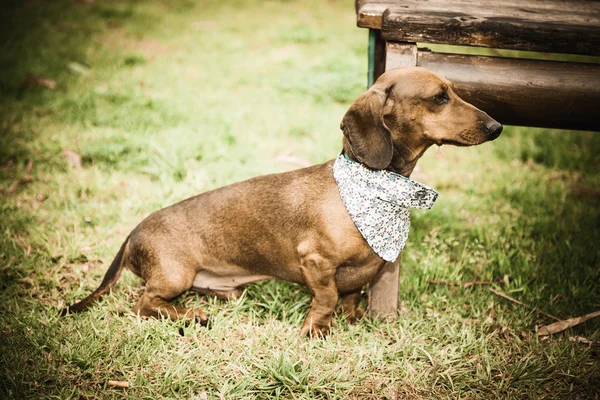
294,225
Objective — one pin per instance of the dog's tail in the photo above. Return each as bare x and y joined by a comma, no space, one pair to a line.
110,278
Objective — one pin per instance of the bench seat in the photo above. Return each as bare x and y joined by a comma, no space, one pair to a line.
513,88
552,26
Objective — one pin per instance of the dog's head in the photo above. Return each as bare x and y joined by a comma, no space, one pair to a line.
406,111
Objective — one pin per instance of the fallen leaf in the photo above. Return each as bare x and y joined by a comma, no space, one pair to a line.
565,324
38,81
73,158
579,339
16,184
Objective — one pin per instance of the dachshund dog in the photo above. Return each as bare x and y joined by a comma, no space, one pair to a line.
294,225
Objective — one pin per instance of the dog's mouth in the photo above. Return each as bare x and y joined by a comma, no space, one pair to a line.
461,143
453,143
464,140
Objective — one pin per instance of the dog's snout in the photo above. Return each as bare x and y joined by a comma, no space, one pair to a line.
493,128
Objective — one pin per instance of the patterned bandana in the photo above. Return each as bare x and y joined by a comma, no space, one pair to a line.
379,203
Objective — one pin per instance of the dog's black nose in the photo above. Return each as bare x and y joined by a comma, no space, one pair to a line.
494,129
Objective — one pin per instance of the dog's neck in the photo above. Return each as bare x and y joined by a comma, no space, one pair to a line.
404,158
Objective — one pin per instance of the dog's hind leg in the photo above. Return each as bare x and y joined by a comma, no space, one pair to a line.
164,286
350,302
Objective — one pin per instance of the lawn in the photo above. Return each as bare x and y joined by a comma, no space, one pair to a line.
110,110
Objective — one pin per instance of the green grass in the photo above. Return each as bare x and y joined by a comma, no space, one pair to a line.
164,100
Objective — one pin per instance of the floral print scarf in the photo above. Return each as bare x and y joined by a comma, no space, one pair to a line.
379,203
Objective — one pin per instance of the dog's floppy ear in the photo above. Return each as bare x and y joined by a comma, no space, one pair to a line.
365,130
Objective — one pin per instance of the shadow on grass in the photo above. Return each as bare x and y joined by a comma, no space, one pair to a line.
558,224
44,51
533,228
47,50
54,63
560,229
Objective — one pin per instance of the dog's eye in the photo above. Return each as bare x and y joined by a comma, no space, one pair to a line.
440,98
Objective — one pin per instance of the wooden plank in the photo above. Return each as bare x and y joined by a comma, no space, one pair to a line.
486,28
369,13
571,27
521,92
383,291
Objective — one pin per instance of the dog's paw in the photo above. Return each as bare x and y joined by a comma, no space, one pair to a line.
203,320
315,330
228,295
353,317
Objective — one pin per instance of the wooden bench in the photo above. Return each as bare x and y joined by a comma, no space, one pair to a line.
517,88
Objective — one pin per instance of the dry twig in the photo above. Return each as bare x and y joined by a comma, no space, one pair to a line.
118,384
586,191
12,188
507,297
465,284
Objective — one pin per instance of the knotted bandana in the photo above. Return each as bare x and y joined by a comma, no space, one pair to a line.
379,204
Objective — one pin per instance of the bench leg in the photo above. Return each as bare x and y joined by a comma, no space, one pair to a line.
383,291
376,56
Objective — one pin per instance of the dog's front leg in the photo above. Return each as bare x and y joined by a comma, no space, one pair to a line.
319,277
